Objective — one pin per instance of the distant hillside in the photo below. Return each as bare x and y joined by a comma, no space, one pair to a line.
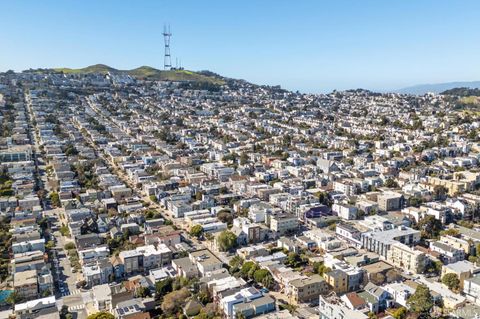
437,88
463,91
149,73
463,97
97,68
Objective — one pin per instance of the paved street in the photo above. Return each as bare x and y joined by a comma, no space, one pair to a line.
67,292
65,280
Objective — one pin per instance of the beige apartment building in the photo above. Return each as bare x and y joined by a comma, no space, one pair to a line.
389,201
284,223
453,186
406,258
25,284
307,289
458,243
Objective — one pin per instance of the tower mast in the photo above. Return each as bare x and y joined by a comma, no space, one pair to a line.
167,60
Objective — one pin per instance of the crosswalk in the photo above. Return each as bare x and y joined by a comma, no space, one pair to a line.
76,307
71,292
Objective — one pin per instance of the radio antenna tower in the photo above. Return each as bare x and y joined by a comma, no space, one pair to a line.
167,60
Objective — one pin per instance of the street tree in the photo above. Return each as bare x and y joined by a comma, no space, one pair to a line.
451,281
226,240
196,231
421,301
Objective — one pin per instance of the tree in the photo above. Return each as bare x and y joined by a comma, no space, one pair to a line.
207,312
64,312
400,313
69,246
320,268
415,201
293,260
55,199
225,216
226,240
450,232
101,315
196,231
142,292
149,214
477,249
263,276
377,278
439,192
235,264
321,196
174,301
435,267
64,230
430,227
49,245
390,183
204,295
421,301
83,283
163,287
451,281
43,223
392,275
240,315
290,307
236,261
243,158
246,269
199,195
70,150
243,212
13,298
153,198
332,227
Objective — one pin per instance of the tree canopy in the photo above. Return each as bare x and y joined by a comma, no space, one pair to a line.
263,276
101,315
225,216
294,260
451,281
196,231
246,267
429,227
174,301
439,192
400,313
226,240
421,301
390,183
163,287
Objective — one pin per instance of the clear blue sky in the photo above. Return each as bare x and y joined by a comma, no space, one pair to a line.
312,46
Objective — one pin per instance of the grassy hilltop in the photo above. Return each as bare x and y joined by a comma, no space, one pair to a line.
147,72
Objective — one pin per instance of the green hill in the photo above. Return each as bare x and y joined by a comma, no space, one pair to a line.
97,68
462,91
148,73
